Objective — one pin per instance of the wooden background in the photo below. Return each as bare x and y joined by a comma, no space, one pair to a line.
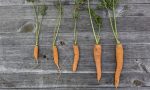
17,67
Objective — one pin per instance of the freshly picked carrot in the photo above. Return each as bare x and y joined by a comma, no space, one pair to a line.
96,21
56,31
40,12
110,6
76,15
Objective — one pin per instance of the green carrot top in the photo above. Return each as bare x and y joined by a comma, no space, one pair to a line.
39,10
111,5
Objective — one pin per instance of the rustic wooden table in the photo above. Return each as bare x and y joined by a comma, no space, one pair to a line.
17,67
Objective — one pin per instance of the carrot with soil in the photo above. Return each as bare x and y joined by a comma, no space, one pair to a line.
96,21
110,6
40,12
56,31
76,15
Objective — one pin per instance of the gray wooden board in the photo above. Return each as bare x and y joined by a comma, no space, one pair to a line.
25,11
17,67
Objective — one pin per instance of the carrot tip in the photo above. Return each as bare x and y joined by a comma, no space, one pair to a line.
58,67
116,84
116,87
74,71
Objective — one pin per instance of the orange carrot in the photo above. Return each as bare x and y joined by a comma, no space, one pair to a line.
76,58
119,61
36,52
55,56
97,58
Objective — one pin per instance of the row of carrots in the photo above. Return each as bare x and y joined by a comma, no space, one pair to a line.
96,23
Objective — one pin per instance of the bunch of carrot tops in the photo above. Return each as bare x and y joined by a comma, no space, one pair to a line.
96,23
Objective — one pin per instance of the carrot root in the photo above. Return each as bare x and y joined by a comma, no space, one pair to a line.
36,52
119,61
97,58
76,58
55,56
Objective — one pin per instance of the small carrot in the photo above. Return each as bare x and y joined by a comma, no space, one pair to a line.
97,58
76,58
55,56
40,12
119,61
36,52
76,15
56,32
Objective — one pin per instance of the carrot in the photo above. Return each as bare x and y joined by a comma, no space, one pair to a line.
110,6
56,32
76,58
97,58
76,15
38,11
119,61
97,48
36,52
55,56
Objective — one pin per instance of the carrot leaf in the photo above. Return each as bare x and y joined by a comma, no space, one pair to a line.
96,18
42,10
109,4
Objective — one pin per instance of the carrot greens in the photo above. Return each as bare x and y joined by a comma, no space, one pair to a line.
59,8
110,6
76,15
95,20
40,12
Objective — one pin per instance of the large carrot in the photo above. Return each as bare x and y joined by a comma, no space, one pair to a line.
97,58
111,5
97,48
119,61
36,52
76,58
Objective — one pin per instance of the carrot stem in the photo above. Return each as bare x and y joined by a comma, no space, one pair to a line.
111,23
58,26
75,32
92,23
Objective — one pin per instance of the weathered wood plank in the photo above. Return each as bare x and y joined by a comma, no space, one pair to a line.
85,38
20,58
85,88
88,80
50,2
26,12
85,66
126,24
131,50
